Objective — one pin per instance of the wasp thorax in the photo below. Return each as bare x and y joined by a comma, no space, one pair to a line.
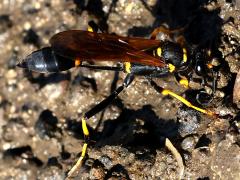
172,53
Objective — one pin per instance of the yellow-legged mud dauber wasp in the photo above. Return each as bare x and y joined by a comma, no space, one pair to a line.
150,58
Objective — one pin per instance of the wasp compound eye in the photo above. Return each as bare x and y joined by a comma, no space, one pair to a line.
45,60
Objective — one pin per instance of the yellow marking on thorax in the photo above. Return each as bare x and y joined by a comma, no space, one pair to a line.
127,67
184,55
159,51
171,67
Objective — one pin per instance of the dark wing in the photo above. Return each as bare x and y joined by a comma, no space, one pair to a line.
91,46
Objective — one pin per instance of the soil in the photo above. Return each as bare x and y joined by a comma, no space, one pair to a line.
40,129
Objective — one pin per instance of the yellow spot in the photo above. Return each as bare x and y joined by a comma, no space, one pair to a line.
77,62
171,67
127,67
90,29
184,55
166,92
184,83
84,127
159,52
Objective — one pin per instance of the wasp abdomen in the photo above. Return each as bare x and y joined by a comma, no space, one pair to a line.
45,60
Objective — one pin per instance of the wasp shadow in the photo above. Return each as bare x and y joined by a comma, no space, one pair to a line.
137,129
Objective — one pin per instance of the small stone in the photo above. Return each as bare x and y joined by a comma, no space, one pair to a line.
106,161
11,74
27,25
188,143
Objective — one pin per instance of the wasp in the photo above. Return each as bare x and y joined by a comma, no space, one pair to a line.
150,58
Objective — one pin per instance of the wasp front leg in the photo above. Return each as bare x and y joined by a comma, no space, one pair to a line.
167,92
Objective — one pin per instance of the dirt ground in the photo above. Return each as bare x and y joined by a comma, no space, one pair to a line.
40,129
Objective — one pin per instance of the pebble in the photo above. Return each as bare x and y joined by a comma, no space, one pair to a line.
106,161
188,143
27,25
11,74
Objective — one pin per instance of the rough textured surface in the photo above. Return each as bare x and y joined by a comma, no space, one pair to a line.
40,133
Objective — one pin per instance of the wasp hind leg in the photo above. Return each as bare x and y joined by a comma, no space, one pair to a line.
96,109
84,149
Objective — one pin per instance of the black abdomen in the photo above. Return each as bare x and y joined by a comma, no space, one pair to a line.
45,60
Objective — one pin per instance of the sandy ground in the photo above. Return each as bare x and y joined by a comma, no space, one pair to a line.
40,132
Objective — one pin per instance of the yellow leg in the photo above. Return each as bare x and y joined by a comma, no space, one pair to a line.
84,150
166,92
